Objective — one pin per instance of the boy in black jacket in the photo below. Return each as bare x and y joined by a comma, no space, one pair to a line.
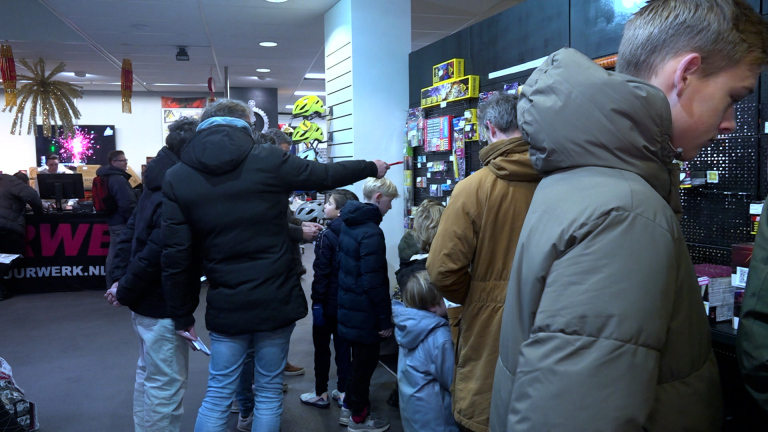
325,292
365,309
136,279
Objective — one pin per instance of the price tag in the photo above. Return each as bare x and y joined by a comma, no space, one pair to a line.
713,177
443,104
756,209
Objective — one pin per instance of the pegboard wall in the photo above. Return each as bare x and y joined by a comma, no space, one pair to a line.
716,214
472,149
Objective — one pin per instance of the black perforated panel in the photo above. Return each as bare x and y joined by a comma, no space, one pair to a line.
715,218
735,160
762,166
747,118
705,254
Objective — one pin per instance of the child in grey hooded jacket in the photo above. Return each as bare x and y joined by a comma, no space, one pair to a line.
425,363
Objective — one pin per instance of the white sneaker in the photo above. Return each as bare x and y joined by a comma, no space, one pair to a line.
314,400
244,424
345,416
338,397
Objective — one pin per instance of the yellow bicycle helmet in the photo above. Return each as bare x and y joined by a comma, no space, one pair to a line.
307,131
308,107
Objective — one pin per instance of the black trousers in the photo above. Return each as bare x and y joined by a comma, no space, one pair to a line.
365,358
10,243
321,338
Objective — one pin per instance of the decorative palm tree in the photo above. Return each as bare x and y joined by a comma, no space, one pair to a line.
48,97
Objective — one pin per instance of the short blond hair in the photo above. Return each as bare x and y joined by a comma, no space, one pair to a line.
724,32
383,186
419,293
426,218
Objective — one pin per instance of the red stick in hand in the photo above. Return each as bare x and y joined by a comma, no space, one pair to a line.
395,163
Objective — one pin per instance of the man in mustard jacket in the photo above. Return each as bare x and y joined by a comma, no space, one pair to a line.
479,230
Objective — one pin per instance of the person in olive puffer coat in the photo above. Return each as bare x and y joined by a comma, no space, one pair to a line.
603,326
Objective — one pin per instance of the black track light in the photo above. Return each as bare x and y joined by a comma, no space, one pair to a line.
182,54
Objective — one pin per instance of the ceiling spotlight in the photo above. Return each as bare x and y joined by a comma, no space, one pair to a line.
182,54
268,44
319,76
263,70
277,1
80,74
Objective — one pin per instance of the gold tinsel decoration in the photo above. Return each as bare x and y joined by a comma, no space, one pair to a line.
48,97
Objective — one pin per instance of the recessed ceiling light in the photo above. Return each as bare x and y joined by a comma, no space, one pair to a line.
309,93
268,44
263,70
288,106
315,76
277,1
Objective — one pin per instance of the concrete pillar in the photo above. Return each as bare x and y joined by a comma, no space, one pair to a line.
367,43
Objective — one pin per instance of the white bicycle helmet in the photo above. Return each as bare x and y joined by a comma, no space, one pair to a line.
310,211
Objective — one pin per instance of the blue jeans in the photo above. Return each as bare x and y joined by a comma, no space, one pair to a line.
244,395
227,357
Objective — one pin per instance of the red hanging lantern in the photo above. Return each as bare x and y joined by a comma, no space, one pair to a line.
211,88
126,85
8,72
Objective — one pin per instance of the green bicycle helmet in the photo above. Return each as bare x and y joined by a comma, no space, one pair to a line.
307,131
308,107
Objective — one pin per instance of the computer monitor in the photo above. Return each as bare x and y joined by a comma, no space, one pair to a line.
60,186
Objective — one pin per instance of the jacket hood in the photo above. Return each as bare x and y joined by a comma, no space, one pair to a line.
359,213
508,160
335,226
218,149
157,167
576,114
413,325
108,170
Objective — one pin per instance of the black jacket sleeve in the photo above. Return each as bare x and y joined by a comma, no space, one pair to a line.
296,233
322,267
123,252
121,190
145,268
301,174
29,196
373,265
180,271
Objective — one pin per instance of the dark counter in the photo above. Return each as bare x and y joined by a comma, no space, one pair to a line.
65,252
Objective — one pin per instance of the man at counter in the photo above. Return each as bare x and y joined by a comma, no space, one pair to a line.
122,197
52,166
15,194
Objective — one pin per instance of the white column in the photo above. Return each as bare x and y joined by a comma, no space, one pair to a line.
367,43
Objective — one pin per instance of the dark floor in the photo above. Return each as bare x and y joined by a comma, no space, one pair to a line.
75,356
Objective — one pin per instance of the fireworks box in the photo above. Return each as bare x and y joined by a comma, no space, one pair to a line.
453,68
741,256
451,90
89,173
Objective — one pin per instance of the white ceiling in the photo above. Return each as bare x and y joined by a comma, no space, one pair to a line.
86,34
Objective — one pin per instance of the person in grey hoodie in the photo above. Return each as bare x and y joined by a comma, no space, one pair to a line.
425,362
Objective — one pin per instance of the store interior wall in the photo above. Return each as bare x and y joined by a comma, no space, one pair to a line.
378,87
139,134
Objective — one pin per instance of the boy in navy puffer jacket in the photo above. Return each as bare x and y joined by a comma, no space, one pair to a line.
365,309
325,292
